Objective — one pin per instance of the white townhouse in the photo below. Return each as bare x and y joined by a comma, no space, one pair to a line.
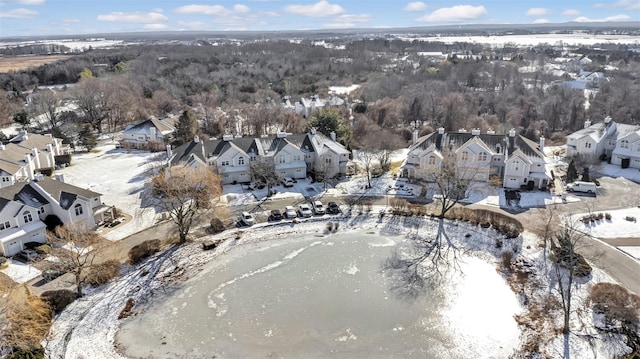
153,133
26,154
291,155
601,140
27,208
516,160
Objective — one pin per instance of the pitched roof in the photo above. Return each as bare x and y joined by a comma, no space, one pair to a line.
60,190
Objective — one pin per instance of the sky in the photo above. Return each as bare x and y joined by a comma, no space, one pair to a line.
60,17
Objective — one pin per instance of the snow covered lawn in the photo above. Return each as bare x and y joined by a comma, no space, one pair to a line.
20,272
617,227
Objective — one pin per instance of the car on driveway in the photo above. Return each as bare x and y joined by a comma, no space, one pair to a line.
26,256
304,210
333,208
288,182
247,219
290,212
276,215
51,274
318,208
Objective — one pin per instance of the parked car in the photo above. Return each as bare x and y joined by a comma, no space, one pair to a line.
304,210
51,274
247,219
318,208
26,256
290,212
288,182
333,208
276,215
579,186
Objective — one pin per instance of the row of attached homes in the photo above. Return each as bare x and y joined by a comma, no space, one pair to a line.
617,142
514,159
292,156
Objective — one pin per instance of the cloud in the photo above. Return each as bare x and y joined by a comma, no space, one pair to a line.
241,9
454,13
18,14
570,12
626,4
353,18
320,9
70,21
537,11
620,17
217,10
29,2
134,17
155,26
339,25
271,13
415,6
238,23
541,21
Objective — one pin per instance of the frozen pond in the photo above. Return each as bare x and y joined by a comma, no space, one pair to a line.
318,297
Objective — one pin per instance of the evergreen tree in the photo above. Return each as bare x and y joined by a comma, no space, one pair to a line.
86,138
186,129
329,120
585,174
572,173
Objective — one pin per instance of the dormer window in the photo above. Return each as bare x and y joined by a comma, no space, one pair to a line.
241,161
432,160
5,225
624,144
587,145
26,215
465,156
78,209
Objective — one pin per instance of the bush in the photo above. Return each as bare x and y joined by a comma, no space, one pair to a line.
143,250
43,249
607,216
126,311
216,226
103,272
59,299
30,353
619,306
3,260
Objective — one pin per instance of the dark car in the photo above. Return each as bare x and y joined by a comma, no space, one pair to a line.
26,256
276,215
51,274
333,208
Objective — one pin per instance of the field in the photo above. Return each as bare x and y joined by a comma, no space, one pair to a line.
16,63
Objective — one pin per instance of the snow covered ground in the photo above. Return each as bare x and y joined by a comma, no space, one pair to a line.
20,272
623,224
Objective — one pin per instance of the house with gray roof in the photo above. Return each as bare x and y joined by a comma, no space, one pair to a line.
152,133
514,159
599,140
27,154
26,208
292,156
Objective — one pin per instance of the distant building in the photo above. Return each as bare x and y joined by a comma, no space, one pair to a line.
153,133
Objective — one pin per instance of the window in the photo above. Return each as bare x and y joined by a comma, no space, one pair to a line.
482,157
624,144
296,157
224,163
241,161
6,179
78,209
465,156
515,165
27,216
587,145
327,160
432,160
281,159
41,210
5,225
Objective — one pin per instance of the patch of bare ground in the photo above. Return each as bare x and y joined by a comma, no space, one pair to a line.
17,63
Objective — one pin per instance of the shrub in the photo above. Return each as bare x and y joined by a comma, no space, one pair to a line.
143,250
618,305
43,249
607,216
126,311
3,260
27,353
59,299
216,226
103,272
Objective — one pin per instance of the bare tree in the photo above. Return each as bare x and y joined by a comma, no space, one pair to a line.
263,171
93,98
366,157
183,193
453,182
46,103
78,250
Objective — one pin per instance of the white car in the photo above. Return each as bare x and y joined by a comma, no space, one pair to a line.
318,208
287,182
290,212
247,219
304,210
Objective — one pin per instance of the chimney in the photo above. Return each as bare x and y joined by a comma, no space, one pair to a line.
512,140
152,133
541,143
59,177
39,177
587,124
36,157
51,159
27,159
196,139
169,152
24,134
281,135
607,119
333,136
415,136
475,132
313,130
491,132
227,138
441,131
2,148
